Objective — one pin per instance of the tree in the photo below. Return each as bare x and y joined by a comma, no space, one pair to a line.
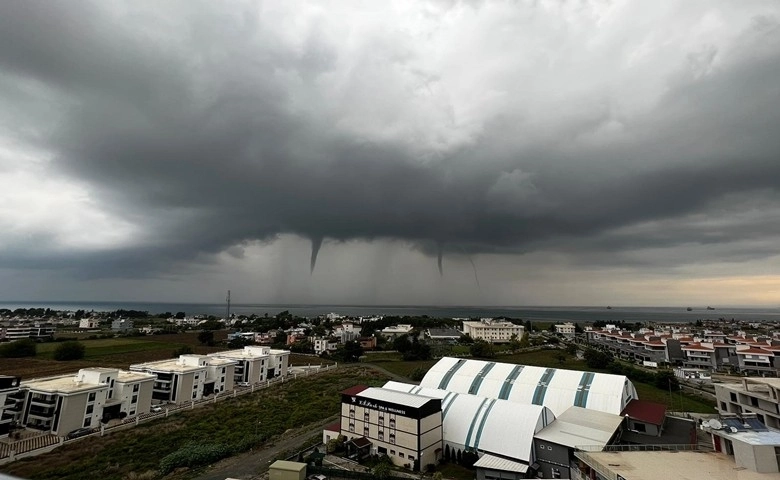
525,342
211,324
482,349
417,374
71,350
514,343
352,351
571,349
206,337
666,380
25,347
560,355
382,469
597,359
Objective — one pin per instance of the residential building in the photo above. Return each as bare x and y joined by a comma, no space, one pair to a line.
367,343
252,363
748,441
122,325
405,427
189,377
394,331
324,344
347,332
89,323
443,335
758,359
61,404
493,331
760,396
11,401
566,329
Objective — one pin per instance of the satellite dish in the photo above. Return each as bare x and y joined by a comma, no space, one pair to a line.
706,424
714,423
733,429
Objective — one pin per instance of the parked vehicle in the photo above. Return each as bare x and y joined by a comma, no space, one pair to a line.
79,433
156,409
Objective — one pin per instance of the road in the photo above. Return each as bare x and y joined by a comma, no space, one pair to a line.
251,465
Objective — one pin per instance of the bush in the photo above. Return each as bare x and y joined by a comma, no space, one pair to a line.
417,374
19,348
193,455
71,350
482,349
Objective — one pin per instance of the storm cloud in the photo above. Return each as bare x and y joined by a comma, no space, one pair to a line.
138,138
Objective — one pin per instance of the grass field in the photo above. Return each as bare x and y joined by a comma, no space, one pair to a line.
548,358
136,453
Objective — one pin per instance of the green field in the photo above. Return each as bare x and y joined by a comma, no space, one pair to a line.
112,346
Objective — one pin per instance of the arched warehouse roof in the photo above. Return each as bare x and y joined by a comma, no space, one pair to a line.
553,388
471,422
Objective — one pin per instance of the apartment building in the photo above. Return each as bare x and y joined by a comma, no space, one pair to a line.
394,331
35,331
61,404
760,396
252,363
566,329
189,377
279,362
405,427
347,332
11,400
493,331
324,344
758,359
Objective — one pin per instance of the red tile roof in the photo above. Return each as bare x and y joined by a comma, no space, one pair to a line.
697,346
755,351
333,427
354,390
644,411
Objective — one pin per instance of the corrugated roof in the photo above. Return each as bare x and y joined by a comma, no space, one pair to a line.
556,389
497,463
647,412
581,427
354,390
392,396
496,426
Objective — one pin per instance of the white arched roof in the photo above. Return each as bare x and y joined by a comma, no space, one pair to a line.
556,389
471,422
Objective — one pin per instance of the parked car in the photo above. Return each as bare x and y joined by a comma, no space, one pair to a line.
156,409
79,433
244,384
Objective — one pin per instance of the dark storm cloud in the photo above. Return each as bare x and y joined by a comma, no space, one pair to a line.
204,128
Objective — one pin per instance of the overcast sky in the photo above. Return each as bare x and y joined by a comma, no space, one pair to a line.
533,152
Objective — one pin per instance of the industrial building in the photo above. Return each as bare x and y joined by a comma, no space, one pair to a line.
556,389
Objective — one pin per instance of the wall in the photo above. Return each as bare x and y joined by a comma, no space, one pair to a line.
550,455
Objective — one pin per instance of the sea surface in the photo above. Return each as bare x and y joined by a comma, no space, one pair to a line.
564,313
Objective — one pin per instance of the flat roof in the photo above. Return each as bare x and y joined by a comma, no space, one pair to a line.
753,437
579,427
170,365
497,463
392,396
683,465
63,384
288,466
125,376
242,354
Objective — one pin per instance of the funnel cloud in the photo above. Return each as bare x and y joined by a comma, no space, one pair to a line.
159,145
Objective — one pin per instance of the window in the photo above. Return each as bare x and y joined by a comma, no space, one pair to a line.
549,447
411,458
132,412
754,401
223,369
135,399
382,436
92,397
136,387
401,454
392,423
365,431
351,427
392,438
381,421
541,447
723,406
392,452
733,396
352,414
88,421
640,427
365,417
90,409
194,394
556,473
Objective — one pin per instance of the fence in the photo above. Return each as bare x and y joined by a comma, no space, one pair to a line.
28,447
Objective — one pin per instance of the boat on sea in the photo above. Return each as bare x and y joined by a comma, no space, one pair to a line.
689,309
710,308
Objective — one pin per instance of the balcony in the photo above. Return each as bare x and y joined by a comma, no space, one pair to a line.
43,401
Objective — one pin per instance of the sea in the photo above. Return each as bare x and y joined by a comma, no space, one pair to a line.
532,313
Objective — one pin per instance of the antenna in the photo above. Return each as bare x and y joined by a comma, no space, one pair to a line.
227,318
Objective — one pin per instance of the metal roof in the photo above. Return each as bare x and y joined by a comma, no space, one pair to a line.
498,463
392,396
579,426
489,425
554,388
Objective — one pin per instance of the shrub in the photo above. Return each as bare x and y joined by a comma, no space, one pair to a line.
71,350
19,348
193,455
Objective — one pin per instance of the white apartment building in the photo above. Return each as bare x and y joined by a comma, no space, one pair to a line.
493,331
11,401
566,329
396,330
347,331
252,363
89,323
61,404
760,396
189,377
324,344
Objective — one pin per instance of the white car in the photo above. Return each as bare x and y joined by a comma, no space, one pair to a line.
156,409
244,384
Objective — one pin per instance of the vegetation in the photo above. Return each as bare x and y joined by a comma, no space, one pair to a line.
70,350
234,425
482,349
19,349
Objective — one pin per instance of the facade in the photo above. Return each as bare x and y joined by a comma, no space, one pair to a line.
324,344
11,400
89,323
35,331
122,325
748,441
252,363
756,360
566,329
407,428
556,389
760,396
346,332
493,331
189,377
61,404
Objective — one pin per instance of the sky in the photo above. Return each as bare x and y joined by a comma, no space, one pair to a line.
428,152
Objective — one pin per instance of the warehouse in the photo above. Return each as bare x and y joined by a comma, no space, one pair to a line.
485,426
553,388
